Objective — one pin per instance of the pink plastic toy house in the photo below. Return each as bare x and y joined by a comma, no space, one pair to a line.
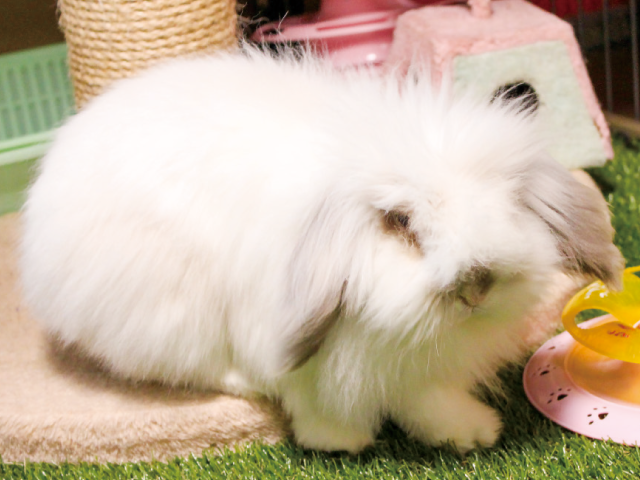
488,46
350,32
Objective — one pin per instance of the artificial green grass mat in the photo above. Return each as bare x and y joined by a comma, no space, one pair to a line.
531,446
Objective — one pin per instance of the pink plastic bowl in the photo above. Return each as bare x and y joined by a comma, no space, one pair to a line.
350,33
584,391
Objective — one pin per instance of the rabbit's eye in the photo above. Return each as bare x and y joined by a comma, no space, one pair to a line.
399,222
402,220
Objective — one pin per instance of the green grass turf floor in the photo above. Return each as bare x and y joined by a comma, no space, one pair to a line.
531,446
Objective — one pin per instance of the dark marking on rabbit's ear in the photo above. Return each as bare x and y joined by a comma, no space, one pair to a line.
473,287
304,342
316,280
578,217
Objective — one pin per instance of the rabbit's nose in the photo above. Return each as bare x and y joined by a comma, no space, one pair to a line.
473,286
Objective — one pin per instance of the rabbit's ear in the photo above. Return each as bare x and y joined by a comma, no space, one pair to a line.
308,334
578,217
317,279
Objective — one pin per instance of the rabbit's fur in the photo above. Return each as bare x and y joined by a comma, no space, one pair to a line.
356,246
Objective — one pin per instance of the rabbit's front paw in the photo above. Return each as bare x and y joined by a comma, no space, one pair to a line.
320,433
478,426
450,415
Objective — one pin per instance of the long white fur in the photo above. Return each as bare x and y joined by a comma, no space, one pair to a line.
185,223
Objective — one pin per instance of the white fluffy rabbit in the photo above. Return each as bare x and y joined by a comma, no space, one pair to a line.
360,248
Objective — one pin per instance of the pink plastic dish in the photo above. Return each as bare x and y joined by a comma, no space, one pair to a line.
350,33
584,391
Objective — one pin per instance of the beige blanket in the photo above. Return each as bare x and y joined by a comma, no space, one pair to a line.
57,406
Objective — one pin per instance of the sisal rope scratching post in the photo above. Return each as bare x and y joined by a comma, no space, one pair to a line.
113,39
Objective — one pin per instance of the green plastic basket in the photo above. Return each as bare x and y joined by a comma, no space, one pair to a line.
35,96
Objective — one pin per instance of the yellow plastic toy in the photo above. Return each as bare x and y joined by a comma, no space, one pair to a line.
618,338
587,379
